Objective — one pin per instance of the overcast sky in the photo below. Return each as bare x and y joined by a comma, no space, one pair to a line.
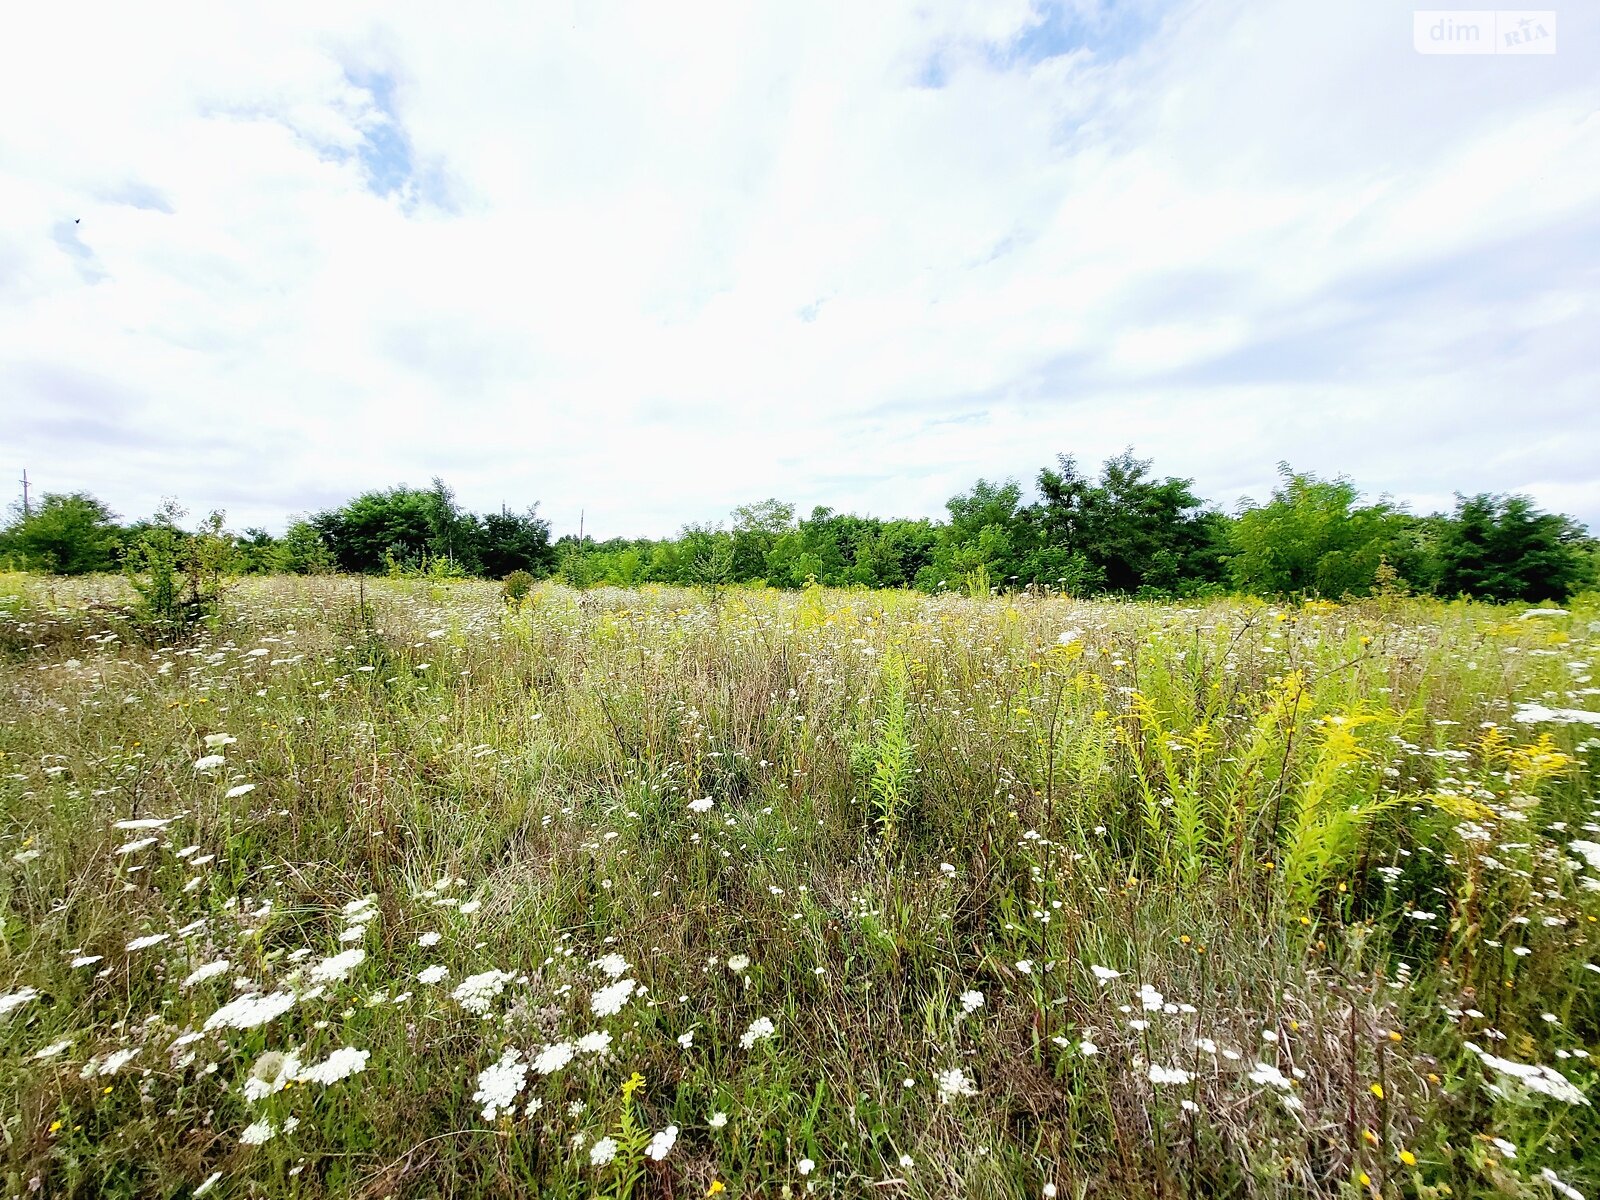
654,261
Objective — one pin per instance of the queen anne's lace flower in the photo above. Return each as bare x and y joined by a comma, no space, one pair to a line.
608,1001
500,1084
209,971
476,992
331,970
340,1064
247,1012
553,1057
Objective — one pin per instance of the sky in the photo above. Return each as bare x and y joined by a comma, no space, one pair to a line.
649,262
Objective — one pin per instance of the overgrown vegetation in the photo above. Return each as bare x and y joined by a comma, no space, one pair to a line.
1125,532
389,887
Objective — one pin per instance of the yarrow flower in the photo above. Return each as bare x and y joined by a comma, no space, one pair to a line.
1165,1075
430,938
613,965
971,1001
500,1084
701,805
433,974
210,763
594,1043
602,1151
149,939
1105,974
739,963
953,1083
761,1027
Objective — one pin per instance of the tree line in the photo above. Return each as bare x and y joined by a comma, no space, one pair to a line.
1122,531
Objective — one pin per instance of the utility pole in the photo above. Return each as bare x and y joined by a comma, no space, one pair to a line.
27,508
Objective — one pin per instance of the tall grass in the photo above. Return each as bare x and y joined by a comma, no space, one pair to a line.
1118,899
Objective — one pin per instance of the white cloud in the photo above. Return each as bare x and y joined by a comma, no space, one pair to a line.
659,261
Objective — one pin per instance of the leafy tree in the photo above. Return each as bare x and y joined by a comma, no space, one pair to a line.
400,524
1503,548
988,537
1126,532
302,551
756,530
508,541
66,534
1313,538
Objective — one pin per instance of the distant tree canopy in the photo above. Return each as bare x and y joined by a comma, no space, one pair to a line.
1123,531
65,534
409,527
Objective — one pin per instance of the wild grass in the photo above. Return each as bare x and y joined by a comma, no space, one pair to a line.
1036,897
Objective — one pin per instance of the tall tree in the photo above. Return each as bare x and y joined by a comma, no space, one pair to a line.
1313,537
1504,548
67,534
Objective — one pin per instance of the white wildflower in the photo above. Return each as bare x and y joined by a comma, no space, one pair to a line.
1164,1075
16,999
608,1001
761,1027
602,1151
209,971
252,1010
661,1145
340,1064
971,1001
500,1084
331,970
476,992
553,1057
953,1083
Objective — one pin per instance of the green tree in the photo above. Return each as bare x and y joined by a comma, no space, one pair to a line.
1503,548
509,541
1125,532
988,536
1313,538
66,534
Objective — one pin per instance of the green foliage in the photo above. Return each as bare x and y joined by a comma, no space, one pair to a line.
515,587
1503,548
65,535
177,576
888,757
1313,539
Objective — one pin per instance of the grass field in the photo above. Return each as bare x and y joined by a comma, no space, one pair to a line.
836,893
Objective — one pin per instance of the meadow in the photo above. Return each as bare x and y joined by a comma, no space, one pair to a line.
397,889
